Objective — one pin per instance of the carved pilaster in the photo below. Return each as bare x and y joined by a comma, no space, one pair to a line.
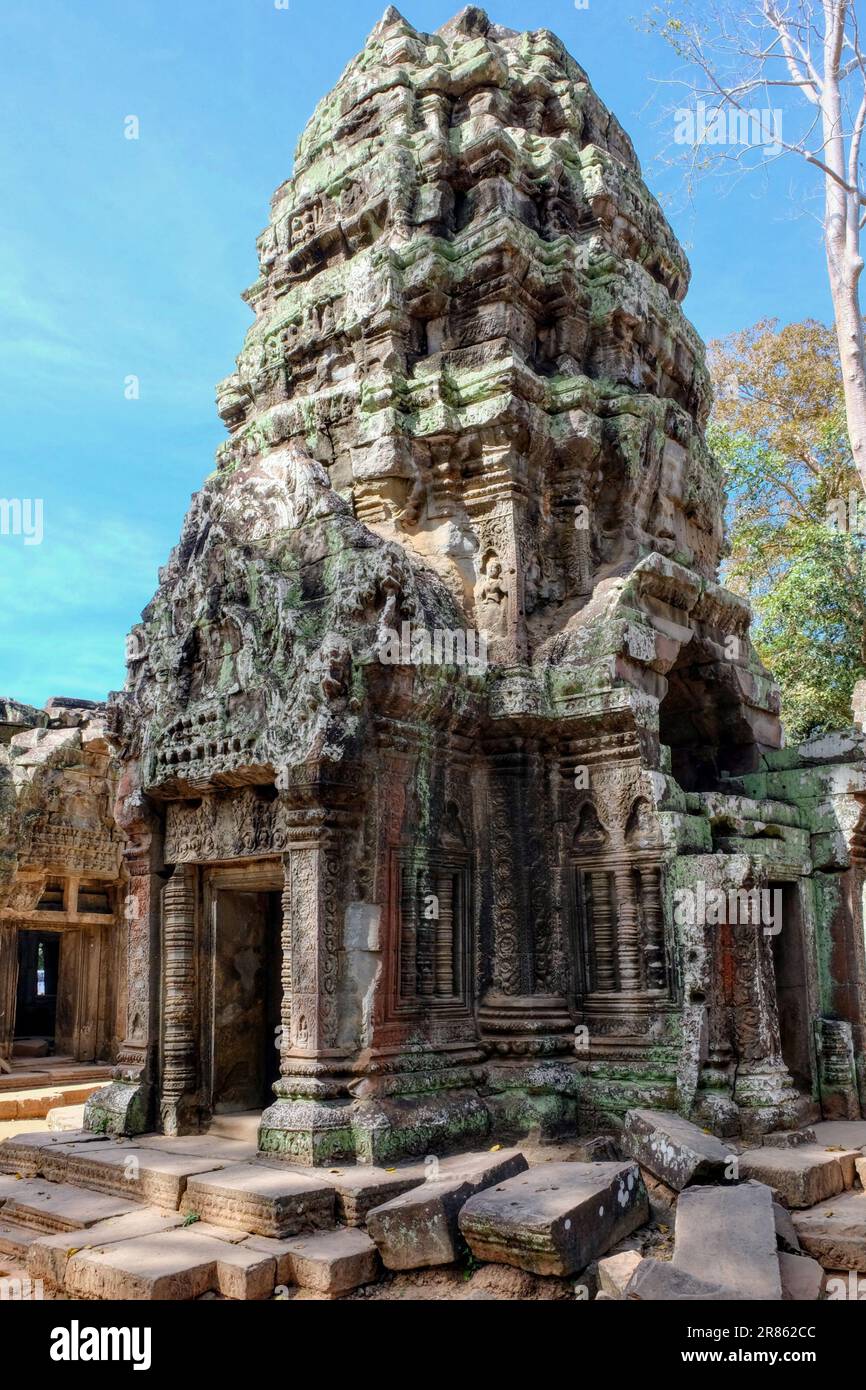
603,931
286,965
314,943
125,1106
653,927
179,1049
628,935
445,936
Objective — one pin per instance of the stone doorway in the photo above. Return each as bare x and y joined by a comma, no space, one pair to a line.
36,992
245,997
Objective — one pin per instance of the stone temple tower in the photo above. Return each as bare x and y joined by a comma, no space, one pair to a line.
440,731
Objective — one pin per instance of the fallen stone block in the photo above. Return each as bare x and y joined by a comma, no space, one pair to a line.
802,1278
333,1262
659,1280
615,1271
799,1176
662,1199
420,1227
834,1232
556,1218
786,1235
261,1199
48,1256
675,1150
728,1234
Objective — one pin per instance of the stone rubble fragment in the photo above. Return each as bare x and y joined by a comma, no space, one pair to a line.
556,1218
728,1235
800,1176
674,1150
834,1232
420,1228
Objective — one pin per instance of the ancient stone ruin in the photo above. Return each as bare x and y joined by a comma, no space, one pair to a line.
445,826
454,796
472,906
62,949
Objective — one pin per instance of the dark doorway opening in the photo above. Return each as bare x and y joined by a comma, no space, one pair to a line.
36,998
246,999
789,962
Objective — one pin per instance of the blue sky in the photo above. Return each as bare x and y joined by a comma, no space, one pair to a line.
122,257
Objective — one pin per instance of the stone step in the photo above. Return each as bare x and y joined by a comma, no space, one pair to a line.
727,1236
139,1174
556,1218
420,1227
47,1207
330,1262
48,1256
262,1199
37,1102
833,1232
849,1134
42,1153
360,1187
49,1076
674,1150
227,1151
170,1266
16,1240
800,1176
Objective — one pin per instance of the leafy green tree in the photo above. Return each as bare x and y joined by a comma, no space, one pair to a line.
796,515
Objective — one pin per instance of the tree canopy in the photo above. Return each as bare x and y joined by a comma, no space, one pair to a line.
796,517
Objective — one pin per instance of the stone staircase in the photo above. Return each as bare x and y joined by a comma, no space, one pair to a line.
207,1216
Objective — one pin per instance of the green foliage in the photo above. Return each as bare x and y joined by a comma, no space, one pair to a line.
811,627
779,432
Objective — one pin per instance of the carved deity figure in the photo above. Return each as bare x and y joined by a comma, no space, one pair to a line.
492,598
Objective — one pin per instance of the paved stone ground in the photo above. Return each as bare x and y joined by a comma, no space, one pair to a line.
206,1217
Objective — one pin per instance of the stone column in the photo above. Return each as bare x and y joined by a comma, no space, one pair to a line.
179,1007
125,1107
310,1120
314,941
764,1090
524,1018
